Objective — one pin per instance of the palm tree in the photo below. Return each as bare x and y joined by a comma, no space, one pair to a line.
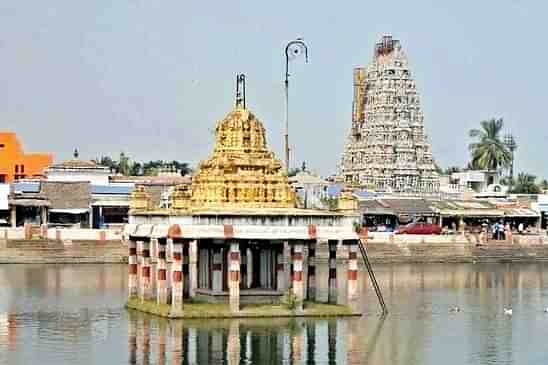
489,152
525,184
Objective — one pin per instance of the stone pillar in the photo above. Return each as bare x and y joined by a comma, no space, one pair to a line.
139,263
298,288
352,283
193,267
288,272
217,270
332,294
249,267
13,216
169,267
132,270
44,216
28,231
161,285
281,280
311,282
177,281
154,268
234,277
145,282
186,281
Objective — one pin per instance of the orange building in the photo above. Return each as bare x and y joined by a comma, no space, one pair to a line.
15,164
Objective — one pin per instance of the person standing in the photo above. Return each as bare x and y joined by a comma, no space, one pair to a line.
520,228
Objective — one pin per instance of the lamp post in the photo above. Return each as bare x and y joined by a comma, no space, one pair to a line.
510,142
292,50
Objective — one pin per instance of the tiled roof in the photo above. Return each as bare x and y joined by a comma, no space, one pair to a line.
67,195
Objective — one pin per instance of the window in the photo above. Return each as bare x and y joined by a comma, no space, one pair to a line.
2,146
16,169
22,169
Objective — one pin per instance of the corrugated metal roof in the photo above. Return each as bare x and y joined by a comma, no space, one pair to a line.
25,187
111,189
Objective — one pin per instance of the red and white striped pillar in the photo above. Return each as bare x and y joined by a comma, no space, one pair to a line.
311,282
332,293
139,246
234,277
146,287
177,281
161,286
298,287
352,278
132,270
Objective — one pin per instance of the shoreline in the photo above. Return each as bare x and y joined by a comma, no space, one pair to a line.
44,252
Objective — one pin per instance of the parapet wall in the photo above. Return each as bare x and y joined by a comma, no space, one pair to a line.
29,232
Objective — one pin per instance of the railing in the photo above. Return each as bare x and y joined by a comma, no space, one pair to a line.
372,277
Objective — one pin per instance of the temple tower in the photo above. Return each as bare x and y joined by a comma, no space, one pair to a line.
388,149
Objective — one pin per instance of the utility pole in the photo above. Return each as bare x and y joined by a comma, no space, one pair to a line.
510,142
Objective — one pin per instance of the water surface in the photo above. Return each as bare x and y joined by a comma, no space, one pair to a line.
70,314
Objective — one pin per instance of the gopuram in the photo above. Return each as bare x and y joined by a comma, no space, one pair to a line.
235,236
387,149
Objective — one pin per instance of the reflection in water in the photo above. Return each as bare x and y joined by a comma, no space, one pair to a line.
57,314
247,341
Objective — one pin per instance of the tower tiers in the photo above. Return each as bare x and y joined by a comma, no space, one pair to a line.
242,172
387,148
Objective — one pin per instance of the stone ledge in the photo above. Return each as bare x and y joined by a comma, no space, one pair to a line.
208,310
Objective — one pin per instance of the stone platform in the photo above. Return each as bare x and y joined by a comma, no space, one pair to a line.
197,310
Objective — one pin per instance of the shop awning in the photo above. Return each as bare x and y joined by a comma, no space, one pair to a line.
30,202
111,203
69,211
521,212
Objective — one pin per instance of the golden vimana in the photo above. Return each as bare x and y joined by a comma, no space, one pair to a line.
241,172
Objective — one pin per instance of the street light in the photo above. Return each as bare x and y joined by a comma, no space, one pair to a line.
293,50
510,142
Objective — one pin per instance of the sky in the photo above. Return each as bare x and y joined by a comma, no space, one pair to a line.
151,78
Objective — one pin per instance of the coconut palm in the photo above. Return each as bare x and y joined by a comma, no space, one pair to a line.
525,184
489,152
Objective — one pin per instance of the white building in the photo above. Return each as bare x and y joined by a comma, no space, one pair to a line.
78,171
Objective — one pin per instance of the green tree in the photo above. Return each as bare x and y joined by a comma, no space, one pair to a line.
489,152
124,164
543,185
525,184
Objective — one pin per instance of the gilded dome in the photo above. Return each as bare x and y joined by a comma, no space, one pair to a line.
239,130
241,172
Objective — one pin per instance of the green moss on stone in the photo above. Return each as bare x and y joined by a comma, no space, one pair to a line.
210,310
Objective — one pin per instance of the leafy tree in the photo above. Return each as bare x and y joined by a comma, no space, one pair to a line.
543,185
525,184
124,164
489,152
